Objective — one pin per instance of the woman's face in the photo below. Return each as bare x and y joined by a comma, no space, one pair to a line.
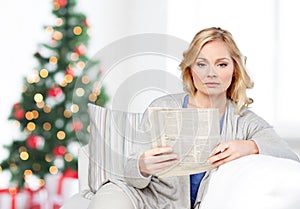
213,69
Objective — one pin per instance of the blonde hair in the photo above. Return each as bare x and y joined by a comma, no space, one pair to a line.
240,81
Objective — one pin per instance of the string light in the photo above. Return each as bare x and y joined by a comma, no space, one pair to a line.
31,126
44,73
53,60
68,157
24,156
53,169
85,79
92,97
40,104
57,35
74,108
49,29
61,135
47,126
67,113
80,92
81,65
74,56
77,30
68,78
59,22
29,115
38,97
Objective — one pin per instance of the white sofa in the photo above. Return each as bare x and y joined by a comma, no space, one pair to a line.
81,200
256,181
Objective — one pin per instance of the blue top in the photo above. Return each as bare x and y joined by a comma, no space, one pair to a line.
195,179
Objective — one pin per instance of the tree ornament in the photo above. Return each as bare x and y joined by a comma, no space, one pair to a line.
70,72
77,126
19,114
35,142
59,151
80,50
62,3
54,92
86,23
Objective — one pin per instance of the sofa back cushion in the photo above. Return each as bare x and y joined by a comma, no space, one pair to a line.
112,136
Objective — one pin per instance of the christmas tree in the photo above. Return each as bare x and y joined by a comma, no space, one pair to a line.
45,114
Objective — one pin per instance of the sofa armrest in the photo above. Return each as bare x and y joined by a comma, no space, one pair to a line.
83,168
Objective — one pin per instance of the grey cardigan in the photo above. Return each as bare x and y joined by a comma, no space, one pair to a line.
174,192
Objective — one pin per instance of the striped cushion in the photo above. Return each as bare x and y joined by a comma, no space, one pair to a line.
112,135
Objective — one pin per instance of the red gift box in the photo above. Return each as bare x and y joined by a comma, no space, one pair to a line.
60,187
14,198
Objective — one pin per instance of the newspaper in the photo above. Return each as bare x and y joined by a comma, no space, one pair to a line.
191,132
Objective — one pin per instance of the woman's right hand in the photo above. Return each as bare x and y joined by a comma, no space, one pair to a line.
156,160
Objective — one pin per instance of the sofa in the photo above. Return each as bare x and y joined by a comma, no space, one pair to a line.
255,181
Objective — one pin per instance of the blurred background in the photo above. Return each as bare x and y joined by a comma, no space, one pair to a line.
266,31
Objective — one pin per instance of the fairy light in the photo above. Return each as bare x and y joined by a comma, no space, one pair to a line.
49,29
67,113
85,80
35,114
27,174
77,30
74,56
0,169
61,135
44,73
38,97
48,158
22,149
68,157
42,182
68,78
80,92
31,126
47,109
81,65
24,156
59,21
40,104
29,115
47,126
53,169
53,60
92,97
57,35
74,108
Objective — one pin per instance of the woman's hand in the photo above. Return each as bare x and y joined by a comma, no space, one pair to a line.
156,160
231,150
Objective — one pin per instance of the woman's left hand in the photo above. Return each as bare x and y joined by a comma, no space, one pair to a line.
231,150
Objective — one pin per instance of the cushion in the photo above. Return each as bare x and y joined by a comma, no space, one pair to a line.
254,181
112,135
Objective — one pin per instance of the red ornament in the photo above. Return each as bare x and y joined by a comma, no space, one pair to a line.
35,142
86,23
70,72
59,150
62,3
77,126
19,114
17,106
80,50
54,92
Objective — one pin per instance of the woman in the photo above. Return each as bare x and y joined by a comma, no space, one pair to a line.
214,76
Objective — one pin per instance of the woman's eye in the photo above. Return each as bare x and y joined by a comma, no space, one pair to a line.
222,65
201,64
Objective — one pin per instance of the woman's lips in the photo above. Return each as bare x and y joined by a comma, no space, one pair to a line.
212,84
